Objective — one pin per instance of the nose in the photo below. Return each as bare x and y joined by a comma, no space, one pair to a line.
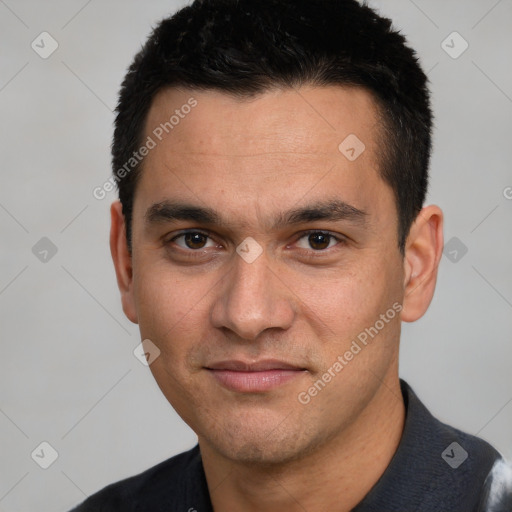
251,299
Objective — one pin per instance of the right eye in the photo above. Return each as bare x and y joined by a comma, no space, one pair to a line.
193,240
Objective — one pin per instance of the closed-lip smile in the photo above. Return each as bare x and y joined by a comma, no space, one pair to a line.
254,377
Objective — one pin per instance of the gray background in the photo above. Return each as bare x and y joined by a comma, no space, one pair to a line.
67,372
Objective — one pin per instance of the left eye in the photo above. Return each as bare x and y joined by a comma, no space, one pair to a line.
193,240
317,240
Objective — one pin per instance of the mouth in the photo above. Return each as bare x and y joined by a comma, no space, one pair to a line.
254,377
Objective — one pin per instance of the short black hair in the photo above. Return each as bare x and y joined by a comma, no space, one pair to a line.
246,47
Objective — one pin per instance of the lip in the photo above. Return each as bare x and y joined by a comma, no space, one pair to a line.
256,377
258,366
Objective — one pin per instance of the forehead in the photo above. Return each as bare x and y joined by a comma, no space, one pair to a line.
275,148
302,120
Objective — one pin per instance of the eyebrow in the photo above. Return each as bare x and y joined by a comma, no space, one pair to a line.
167,211
333,210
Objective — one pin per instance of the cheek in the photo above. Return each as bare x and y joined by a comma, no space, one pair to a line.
343,304
173,314
170,306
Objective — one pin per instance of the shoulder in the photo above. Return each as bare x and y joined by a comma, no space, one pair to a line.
162,486
456,464
497,492
436,467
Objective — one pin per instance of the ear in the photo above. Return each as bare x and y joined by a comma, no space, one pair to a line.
423,251
122,260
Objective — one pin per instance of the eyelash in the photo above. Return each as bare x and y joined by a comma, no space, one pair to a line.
338,238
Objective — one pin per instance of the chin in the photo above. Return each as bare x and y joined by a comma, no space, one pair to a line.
261,452
260,442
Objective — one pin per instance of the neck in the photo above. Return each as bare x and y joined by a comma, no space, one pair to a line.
336,476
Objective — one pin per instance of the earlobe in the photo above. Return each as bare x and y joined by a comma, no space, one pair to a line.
423,251
122,260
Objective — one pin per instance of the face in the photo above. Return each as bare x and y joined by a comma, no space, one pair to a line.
262,250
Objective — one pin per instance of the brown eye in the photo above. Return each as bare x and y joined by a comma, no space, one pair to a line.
319,241
195,240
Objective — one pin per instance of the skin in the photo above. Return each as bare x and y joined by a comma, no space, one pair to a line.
253,160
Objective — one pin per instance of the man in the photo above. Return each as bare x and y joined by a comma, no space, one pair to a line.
271,158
